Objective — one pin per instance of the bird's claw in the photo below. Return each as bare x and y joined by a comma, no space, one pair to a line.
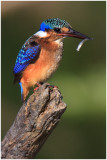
38,85
51,87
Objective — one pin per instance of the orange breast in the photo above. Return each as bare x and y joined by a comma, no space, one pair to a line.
43,68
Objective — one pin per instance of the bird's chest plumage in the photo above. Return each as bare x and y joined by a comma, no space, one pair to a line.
46,64
53,59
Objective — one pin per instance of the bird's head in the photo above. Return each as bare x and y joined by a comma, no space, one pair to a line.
55,28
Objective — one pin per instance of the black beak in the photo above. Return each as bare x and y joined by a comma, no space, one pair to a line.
73,33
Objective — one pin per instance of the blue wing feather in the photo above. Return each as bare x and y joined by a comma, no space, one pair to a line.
24,58
27,55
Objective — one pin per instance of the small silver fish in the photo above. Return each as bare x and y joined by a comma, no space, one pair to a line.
81,43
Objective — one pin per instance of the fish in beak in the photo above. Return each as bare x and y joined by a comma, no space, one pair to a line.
76,34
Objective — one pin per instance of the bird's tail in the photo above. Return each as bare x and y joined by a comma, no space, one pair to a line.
24,91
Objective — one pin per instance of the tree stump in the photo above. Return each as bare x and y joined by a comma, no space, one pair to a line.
33,124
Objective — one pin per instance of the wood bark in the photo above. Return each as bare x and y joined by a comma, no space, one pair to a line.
33,124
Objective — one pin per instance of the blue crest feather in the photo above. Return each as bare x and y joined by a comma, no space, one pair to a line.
53,23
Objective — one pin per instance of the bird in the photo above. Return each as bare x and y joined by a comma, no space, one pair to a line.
41,54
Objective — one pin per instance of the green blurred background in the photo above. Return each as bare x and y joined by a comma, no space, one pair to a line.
81,76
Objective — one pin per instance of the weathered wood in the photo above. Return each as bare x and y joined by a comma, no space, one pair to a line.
34,122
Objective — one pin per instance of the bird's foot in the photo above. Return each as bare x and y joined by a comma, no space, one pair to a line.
51,87
38,85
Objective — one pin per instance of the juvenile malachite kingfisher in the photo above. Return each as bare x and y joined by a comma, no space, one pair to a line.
41,54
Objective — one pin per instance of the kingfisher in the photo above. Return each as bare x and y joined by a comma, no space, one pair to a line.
41,54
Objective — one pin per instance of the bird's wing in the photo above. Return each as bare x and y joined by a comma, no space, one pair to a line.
28,54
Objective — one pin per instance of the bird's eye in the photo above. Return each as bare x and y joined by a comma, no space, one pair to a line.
58,30
33,43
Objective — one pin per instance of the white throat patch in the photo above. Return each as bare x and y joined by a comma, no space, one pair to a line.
60,41
41,34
